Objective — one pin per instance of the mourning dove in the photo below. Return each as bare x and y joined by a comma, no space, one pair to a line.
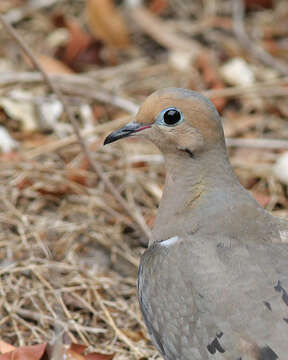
213,283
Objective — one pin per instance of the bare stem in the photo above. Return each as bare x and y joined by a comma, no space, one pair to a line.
96,167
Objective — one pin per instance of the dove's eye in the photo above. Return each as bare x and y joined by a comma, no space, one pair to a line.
171,116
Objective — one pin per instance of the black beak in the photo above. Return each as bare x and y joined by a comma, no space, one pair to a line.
127,130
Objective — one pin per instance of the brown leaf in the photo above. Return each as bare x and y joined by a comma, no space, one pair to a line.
34,352
4,347
79,350
24,183
75,176
57,190
79,40
262,198
53,66
98,356
81,48
258,4
158,7
106,23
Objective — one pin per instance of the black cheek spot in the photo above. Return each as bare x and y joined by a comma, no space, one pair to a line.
268,305
189,152
215,346
266,353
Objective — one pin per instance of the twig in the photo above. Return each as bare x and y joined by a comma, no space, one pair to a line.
269,88
94,165
70,84
52,321
91,93
258,143
111,322
69,140
17,14
162,33
255,49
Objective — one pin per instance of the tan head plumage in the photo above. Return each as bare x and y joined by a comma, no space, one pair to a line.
200,124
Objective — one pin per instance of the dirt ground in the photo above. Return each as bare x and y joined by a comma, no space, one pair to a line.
69,250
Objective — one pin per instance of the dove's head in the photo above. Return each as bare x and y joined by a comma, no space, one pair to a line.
176,121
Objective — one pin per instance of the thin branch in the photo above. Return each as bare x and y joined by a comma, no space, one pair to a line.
162,33
70,324
268,88
94,165
111,322
83,85
251,46
69,140
257,143
17,14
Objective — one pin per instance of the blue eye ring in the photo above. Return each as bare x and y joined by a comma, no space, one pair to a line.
170,116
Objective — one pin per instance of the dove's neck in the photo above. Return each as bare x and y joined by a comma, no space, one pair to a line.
195,187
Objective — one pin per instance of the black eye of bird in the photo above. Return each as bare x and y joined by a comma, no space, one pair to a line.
171,116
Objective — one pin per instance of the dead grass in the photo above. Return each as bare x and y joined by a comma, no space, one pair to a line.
68,251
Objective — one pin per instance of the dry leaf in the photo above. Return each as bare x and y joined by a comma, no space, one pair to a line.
79,40
258,4
81,48
34,352
98,356
158,7
53,66
79,349
106,23
4,347
262,198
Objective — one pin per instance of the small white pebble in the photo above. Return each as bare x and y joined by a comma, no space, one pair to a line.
280,169
238,72
180,60
6,142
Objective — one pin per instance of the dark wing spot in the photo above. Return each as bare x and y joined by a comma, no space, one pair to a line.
285,296
286,320
280,289
266,353
215,346
268,305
